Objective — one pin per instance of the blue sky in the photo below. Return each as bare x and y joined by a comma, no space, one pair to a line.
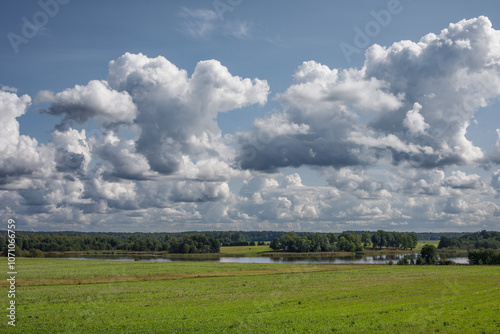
250,115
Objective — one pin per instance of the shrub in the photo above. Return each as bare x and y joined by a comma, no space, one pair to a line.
403,262
35,253
484,256
429,254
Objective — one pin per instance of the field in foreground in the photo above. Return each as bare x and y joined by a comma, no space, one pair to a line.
78,296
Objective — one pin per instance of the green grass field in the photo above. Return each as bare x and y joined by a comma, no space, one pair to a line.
245,250
83,296
421,243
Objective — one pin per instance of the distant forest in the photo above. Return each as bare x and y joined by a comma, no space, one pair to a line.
345,242
468,241
184,242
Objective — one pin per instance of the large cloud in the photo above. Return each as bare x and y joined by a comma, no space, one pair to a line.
177,113
318,116
121,157
19,154
155,123
412,100
265,199
450,76
72,150
172,115
93,101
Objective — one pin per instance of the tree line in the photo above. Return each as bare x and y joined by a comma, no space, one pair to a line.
244,243
395,240
169,242
346,241
314,242
484,256
429,255
225,237
188,243
476,240
99,239
286,241
194,243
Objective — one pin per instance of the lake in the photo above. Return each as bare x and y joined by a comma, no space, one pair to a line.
353,259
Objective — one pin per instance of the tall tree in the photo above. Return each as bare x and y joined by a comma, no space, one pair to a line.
414,238
365,238
275,244
429,254
376,240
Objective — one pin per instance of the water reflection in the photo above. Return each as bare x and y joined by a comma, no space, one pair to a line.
353,259
356,258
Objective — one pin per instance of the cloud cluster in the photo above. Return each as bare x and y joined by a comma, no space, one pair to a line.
19,155
177,112
389,139
411,102
157,144
95,101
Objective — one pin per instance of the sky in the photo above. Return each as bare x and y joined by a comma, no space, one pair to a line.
318,116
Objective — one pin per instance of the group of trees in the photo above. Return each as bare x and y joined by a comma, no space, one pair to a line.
315,242
350,242
346,241
238,238
186,243
394,239
103,242
111,241
244,243
484,256
131,242
194,243
424,236
428,256
476,240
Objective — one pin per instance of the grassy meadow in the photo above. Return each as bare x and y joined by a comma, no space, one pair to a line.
86,296
244,250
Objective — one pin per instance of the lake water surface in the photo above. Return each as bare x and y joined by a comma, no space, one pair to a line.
354,259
